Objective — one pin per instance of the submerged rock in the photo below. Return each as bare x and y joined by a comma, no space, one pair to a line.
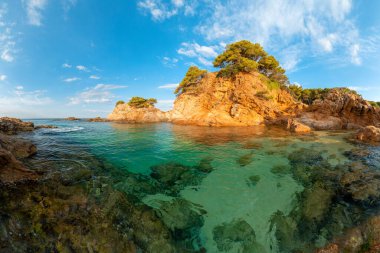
236,234
244,160
20,148
97,119
45,126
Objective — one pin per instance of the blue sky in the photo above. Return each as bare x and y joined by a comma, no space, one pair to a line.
78,57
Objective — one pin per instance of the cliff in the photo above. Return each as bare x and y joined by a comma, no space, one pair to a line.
246,100
251,99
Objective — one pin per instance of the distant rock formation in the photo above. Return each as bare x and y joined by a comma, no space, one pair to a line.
97,119
126,113
72,119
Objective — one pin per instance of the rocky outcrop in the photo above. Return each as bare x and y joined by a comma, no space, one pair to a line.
369,134
97,119
14,126
340,109
45,126
72,119
126,113
246,100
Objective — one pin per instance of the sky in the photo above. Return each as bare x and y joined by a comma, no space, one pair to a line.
61,58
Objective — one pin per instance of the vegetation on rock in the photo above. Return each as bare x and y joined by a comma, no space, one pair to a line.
120,102
193,76
139,102
308,96
245,56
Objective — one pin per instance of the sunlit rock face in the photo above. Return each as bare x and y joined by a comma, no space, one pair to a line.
340,109
14,126
124,112
246,100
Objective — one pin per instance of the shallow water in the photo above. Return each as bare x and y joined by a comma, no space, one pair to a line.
243,184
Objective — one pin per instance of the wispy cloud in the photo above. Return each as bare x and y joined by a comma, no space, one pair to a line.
71,79
7,38
95,77
82,68
101,93
169,62
161,10
19,96
66,66
204,54
3,77
34,9
168,86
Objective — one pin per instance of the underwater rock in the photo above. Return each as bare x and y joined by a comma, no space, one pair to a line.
253,145
20,148
370,134
253,180
361,183
184,220
316,202
244,160
236,233
280,170
363,238
14,126
173,177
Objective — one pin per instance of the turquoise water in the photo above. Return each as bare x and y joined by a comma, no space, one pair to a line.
250,180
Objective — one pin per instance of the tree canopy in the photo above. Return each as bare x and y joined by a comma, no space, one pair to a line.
140,102
245,56
193,76
120,102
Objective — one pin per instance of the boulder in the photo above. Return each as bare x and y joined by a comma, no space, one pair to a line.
296,127
369,134
20,148
72,119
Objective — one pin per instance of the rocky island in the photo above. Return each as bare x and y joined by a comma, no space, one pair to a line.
252,89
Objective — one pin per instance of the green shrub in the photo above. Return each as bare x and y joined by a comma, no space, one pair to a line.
139,102
120,102
374,104
245,56
264,95
192,78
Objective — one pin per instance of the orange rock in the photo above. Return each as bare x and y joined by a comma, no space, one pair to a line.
369,134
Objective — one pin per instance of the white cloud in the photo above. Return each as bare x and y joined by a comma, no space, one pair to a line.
161,10
101,93
168,86
169,62
3,77
204,54
94,77
19,96
354,52
7,38
66,66
34,9
359,88
71,79
82,68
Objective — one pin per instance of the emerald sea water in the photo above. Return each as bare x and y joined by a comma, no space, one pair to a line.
224,189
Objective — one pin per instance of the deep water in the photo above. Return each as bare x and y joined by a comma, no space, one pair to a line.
220,189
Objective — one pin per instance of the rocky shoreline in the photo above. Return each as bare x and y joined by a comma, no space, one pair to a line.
48,208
